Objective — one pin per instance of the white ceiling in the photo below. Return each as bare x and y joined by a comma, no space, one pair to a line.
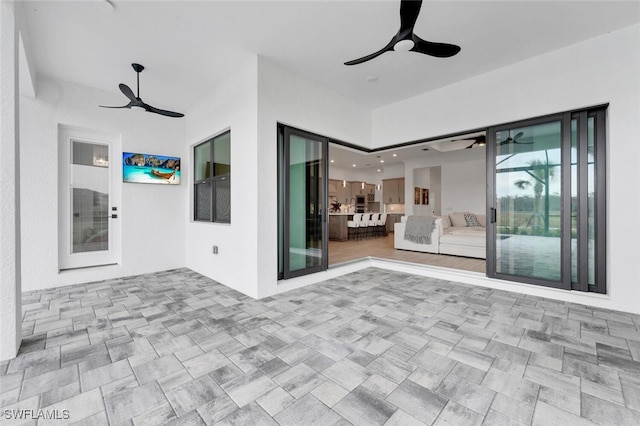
345,157
189,47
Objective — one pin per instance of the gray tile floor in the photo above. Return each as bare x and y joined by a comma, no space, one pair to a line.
369,348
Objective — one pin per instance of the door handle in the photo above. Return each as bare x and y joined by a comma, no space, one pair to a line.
492,215
114,216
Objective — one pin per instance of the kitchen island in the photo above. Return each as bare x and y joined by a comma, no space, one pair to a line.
338,230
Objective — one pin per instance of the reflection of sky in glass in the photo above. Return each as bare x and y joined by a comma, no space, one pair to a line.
506,181
532,143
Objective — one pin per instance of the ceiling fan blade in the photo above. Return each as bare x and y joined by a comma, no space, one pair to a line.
439,50
127,92
125,106
149,108
387,48
409,11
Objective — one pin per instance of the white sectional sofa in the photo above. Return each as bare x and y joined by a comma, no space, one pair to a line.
400,243
451,235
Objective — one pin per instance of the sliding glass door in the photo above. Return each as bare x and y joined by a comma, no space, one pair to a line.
546,201
302,192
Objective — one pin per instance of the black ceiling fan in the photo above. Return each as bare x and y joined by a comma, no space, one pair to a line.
478,140
515,140
136,102
406,40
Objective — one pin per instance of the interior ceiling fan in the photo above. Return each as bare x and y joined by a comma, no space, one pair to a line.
478,140
134,100
515,139
406,40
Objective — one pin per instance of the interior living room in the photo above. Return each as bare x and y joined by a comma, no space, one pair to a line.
173,251
446,170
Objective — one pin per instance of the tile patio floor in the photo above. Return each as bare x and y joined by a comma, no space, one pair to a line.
369,348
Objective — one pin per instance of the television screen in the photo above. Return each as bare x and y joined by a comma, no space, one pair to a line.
147,168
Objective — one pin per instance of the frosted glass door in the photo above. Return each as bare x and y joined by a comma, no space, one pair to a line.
88,215
90,197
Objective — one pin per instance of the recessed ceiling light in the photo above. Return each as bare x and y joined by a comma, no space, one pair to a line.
378,170
382,161
354,165
395,155
332,161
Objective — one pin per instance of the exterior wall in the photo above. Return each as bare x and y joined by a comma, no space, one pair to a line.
284,97
602,70
233,105
151,216
10,261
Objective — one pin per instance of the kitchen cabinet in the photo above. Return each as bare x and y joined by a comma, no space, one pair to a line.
333,188
338,192
343,193
370,192
401,191
347,193
393,191
356,189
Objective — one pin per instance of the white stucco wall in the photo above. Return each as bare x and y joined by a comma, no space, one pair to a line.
284,97
602,70
233,105
10,261
152,217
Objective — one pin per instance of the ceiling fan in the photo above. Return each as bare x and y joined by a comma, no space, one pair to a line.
514,140
406,40
136,102
478,140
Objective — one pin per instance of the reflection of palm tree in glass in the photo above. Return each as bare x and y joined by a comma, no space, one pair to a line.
540,172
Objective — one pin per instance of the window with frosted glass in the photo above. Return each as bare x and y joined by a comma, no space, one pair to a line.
212,179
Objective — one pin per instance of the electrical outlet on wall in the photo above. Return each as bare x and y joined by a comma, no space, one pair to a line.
215,249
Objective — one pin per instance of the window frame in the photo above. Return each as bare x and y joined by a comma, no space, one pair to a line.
212,180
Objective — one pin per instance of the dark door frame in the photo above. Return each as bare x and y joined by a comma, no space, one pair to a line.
598,113
284,135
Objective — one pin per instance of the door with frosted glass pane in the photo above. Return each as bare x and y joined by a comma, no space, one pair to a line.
303,209
526,226
87,211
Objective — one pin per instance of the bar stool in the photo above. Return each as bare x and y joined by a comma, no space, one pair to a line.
373,224
353,225
382,224
363,228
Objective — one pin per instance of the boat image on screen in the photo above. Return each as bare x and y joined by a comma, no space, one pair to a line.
146,168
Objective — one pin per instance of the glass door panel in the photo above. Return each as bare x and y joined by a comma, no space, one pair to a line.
303,186
527,202
90,197
89,194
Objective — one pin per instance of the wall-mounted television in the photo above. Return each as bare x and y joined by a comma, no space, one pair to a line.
148,168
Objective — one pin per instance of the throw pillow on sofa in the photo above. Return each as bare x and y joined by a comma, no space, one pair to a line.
446,223
471,219
457,219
